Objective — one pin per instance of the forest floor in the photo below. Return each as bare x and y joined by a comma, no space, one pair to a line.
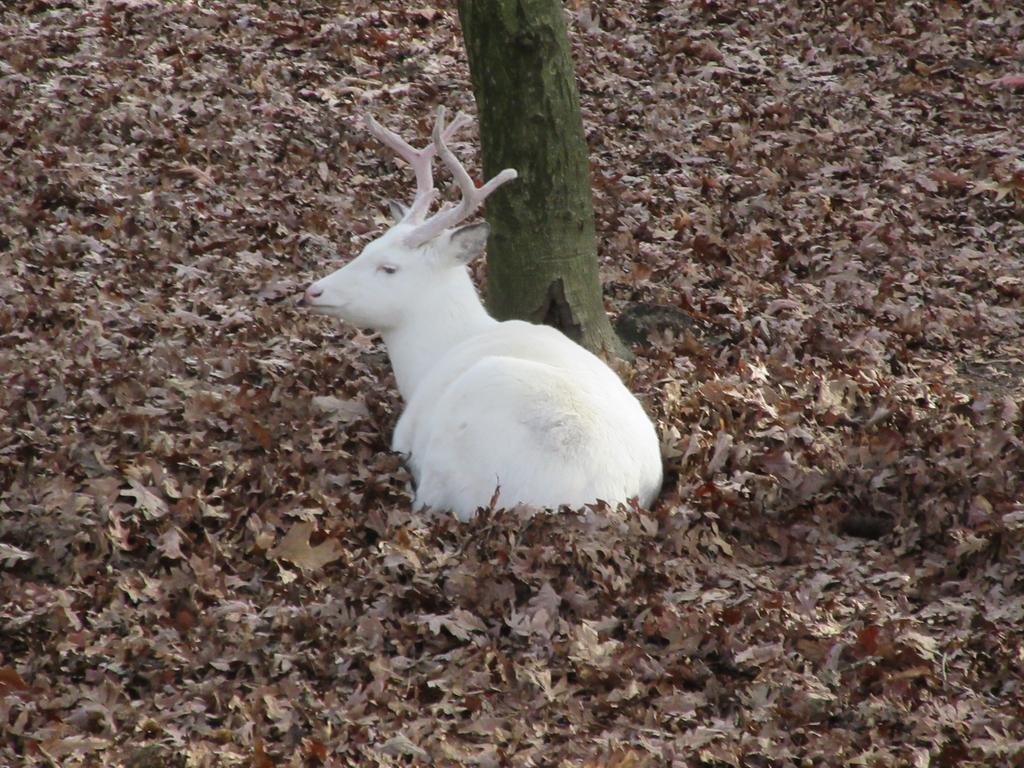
207,553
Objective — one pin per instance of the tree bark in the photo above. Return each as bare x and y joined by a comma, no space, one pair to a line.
542,253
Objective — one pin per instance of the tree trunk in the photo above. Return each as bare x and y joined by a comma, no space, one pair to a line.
542,254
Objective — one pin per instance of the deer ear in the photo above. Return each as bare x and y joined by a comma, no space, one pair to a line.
398,210
466,243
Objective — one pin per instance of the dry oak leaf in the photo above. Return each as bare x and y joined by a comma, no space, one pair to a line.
10,680
57,747
10,554
401,746
1013,82
460,622
295,548
151,504
343,410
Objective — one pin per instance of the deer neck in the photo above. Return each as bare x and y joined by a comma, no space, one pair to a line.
452,314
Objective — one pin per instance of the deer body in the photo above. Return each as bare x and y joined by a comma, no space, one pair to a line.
506,410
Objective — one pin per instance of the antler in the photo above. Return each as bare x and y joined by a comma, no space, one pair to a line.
472,196
418,159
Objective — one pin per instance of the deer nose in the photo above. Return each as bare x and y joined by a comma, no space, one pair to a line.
313,292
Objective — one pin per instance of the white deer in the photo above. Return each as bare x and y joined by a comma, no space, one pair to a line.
506,410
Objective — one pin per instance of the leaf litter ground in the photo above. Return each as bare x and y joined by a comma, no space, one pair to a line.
206,551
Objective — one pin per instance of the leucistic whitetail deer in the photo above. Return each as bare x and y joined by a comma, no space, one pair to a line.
506,409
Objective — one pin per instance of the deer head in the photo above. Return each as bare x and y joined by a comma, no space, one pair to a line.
420,256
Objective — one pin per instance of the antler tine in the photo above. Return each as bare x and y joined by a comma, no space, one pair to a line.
418,159
460,121
472,196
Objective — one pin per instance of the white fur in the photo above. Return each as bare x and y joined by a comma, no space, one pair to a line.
491,406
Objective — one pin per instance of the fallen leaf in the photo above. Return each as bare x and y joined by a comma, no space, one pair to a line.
10,680
343,410
296,549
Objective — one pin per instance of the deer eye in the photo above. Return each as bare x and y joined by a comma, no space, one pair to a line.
387,269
